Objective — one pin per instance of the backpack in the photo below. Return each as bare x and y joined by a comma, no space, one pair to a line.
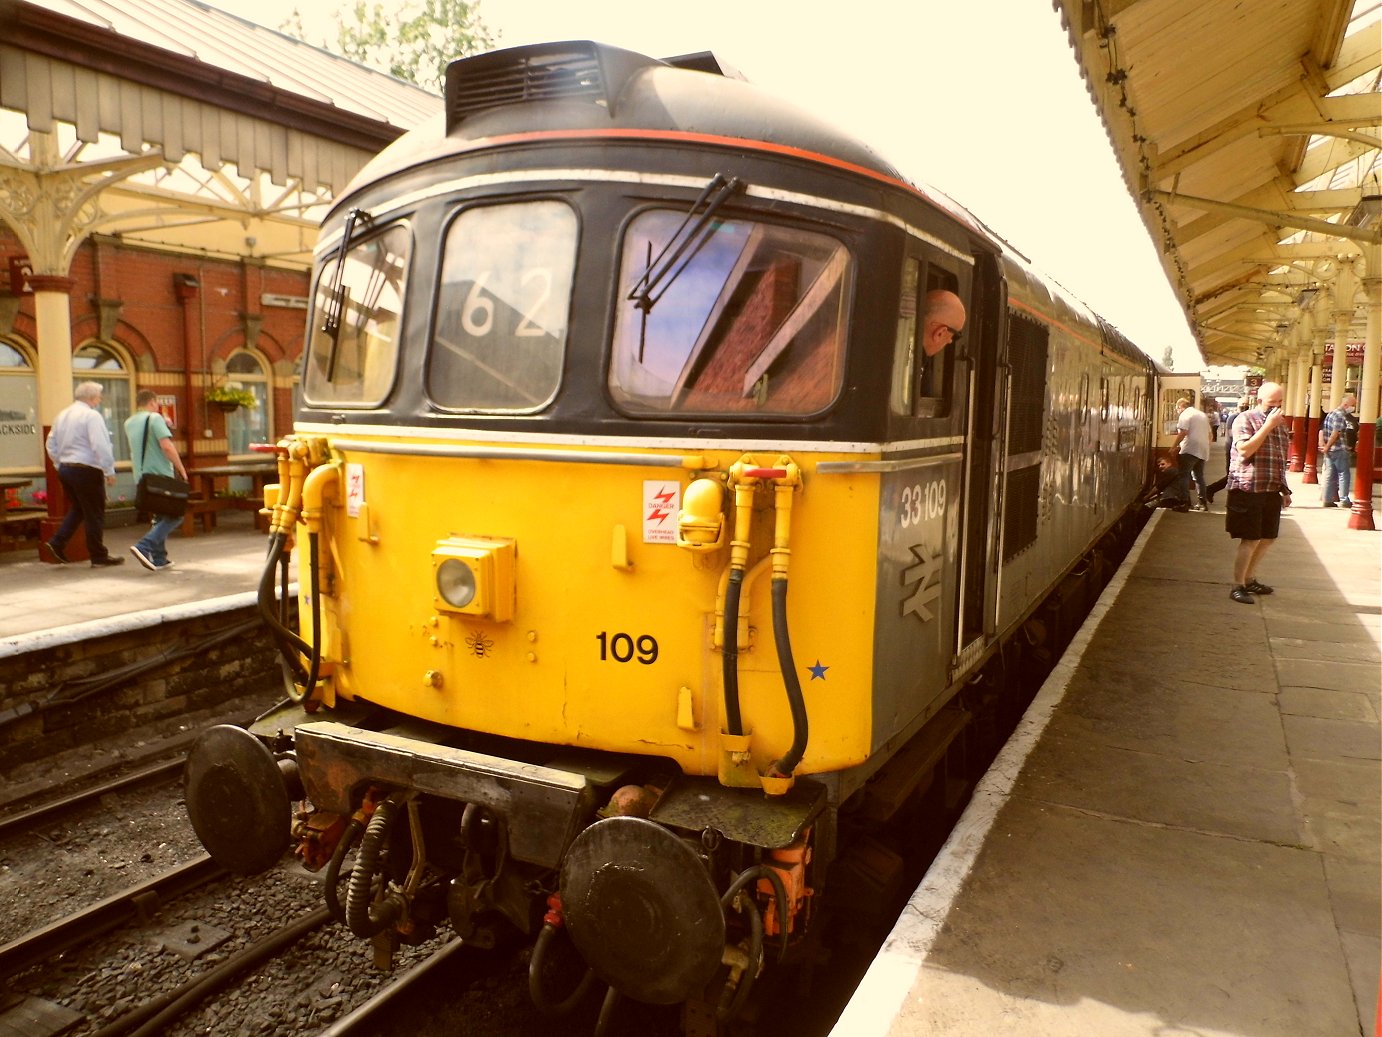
1350,433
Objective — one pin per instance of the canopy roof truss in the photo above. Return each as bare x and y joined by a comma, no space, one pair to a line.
1249,134
174,125
180,206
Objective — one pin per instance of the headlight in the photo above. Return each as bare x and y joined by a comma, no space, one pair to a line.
456,583
475,576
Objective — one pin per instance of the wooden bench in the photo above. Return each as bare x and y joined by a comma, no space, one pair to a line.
203,510
254,504
200,509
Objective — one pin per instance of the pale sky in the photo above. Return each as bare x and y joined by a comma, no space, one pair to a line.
982,99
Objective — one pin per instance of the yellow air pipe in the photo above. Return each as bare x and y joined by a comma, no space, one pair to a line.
290,504
321,482
744,485
783,488
292,469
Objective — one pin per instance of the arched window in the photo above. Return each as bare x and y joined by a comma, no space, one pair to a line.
249,424
104,366
21,445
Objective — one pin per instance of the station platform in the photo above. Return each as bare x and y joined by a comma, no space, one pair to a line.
1183,835
51,604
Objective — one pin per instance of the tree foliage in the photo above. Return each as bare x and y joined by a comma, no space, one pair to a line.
415,41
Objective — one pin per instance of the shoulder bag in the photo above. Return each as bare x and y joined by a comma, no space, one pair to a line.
159,494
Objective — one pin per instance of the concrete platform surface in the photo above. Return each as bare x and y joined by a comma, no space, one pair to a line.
1184,836
38,599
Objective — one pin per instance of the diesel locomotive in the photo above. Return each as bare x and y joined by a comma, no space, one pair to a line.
646,552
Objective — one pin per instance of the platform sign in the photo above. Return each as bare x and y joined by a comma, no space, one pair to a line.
21,445
1354,351
168,407
20,271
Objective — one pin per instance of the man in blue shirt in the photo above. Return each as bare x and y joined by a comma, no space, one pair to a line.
79,445
1336,453
152,450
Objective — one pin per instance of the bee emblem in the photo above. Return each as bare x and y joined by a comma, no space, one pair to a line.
479,644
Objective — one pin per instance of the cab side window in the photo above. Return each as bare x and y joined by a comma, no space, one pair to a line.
922,384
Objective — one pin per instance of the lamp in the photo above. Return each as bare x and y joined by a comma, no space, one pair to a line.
1369,207
1306,298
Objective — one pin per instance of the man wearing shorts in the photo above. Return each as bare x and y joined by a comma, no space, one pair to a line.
1257,488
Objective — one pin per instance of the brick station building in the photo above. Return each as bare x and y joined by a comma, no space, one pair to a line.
163,170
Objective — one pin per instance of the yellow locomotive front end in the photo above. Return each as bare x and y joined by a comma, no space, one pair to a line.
577,597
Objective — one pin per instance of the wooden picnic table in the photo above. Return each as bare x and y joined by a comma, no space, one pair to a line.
205,504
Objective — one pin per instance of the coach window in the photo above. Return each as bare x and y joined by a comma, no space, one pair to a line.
921,383
733,317
355,321
104,366
499,329
247,425
21,446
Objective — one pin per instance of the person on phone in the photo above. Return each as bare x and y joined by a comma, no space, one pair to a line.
1257,489
152,450
1229,421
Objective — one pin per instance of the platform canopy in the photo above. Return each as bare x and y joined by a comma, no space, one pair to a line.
172,124
1248,133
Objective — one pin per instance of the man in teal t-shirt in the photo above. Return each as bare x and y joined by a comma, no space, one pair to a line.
152,450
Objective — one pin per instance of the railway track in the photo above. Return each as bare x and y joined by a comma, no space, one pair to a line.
164,771
138,903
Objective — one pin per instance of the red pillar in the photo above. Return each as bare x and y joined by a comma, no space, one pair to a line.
1312,449
1297,456
1361,515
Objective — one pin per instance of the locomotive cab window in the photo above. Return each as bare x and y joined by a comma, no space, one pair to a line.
355,322
921,381
747,318
499,332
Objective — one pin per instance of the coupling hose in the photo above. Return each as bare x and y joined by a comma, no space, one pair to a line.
368,919
795,700
729,655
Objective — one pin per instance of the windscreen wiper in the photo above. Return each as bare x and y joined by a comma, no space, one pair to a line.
336,294
664,269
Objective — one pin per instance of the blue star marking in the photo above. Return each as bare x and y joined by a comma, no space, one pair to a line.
818,671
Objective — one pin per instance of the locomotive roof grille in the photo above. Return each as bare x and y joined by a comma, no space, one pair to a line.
581,71
543,77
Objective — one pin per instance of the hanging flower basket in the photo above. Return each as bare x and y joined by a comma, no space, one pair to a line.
227,398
